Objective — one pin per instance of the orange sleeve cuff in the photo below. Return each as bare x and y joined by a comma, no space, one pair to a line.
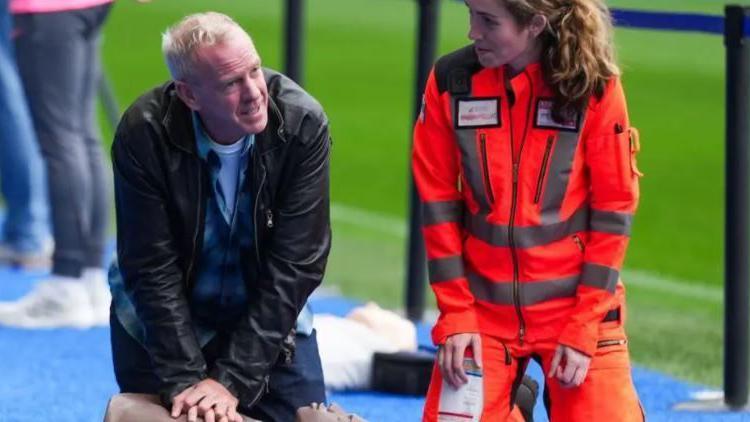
452,323
581,336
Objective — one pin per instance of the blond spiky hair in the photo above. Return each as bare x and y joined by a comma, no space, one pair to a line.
180,41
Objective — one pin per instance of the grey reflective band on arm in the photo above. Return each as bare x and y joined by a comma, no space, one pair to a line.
445,269
611,222
436,212
600,277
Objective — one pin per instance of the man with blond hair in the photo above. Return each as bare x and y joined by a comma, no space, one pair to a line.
222,198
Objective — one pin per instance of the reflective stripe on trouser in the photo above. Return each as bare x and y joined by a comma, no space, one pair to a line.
609,377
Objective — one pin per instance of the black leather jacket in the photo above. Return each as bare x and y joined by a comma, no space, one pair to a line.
161,189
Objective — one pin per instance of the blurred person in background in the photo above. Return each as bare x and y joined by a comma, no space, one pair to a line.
525,162
222,204
57,49
26,238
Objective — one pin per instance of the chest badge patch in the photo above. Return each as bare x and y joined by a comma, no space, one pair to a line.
477,112
544,118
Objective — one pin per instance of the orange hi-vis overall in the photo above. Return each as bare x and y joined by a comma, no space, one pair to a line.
526,221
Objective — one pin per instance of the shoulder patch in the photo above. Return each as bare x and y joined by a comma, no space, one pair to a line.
453,71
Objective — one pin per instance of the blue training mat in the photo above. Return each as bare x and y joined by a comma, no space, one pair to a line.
66,374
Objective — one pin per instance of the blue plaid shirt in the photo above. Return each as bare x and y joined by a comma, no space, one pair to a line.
219,297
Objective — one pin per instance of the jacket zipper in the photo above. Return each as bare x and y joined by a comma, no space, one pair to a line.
514,203
607,343
486,168
197,227
543,171
269,218
255,212
579,242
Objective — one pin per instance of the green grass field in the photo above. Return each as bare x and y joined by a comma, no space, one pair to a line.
360,64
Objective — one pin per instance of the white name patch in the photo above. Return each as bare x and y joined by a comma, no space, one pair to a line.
544,118
478,112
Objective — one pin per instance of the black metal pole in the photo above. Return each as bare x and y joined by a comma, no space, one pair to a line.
737,239
293,51
416,265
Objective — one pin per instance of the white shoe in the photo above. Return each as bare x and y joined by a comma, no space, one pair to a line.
53,303
99,295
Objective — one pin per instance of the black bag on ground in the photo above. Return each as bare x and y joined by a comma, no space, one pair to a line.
402,372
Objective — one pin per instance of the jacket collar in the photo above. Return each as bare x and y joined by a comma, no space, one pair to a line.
178,123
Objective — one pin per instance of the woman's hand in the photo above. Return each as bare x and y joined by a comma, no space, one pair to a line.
569,366
451,357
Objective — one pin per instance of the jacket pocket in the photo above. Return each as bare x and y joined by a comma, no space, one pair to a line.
543,170
579,243
486,168
602,344
508,357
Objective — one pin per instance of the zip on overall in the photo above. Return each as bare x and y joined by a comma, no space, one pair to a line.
543,170
486,168
516,161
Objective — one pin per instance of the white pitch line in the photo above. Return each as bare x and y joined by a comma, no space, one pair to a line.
671,286
396,227
377,222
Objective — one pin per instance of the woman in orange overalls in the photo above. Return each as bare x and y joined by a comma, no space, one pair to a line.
524,159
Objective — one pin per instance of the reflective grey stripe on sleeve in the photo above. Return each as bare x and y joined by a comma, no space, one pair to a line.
611,222
558,175
600,276
526,237
530,293
436,212
445,269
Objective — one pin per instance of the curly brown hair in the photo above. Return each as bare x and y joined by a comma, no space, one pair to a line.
578,55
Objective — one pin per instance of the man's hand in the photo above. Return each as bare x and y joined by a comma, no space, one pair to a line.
569,366
208,399
451,357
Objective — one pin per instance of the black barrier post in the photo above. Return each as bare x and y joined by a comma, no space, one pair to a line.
737,239
294,30
426,47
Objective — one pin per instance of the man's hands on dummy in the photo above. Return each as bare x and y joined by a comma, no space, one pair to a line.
569,366
451,357
208,399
